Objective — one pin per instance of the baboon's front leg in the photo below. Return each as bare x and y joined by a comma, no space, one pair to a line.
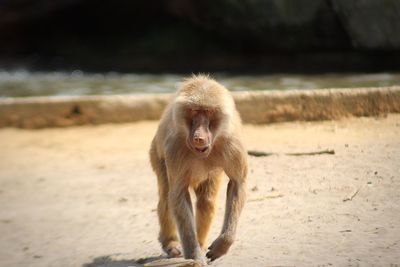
235,198
182,209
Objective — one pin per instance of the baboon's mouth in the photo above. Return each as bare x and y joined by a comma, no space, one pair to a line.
202,149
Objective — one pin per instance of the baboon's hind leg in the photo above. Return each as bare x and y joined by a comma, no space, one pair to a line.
206,194
168,235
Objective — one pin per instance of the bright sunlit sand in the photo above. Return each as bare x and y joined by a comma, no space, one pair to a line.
86,196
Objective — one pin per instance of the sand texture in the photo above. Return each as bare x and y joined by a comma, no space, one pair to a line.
86,196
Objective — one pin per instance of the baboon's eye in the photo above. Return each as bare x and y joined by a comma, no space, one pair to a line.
193,112
210,112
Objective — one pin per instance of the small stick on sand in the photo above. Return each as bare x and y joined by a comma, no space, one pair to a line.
327,151
352,195
256,153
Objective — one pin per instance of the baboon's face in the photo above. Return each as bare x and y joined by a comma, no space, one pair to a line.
202,123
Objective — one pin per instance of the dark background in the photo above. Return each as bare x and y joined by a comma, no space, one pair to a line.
301,36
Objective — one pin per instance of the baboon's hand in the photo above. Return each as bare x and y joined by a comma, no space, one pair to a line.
173,252
219,247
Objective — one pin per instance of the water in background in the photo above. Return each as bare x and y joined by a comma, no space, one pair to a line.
24,83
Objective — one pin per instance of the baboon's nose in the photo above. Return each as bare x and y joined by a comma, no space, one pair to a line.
199,140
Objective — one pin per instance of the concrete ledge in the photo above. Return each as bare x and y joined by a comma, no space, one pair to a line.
255,107
311,105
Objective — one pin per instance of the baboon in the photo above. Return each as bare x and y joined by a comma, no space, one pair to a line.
196,142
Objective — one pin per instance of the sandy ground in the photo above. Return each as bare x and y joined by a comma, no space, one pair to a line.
86,196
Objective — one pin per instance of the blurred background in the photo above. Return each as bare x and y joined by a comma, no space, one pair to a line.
78,47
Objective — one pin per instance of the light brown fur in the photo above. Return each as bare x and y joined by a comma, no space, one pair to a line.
178,168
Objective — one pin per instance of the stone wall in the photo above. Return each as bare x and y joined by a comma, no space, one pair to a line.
255,107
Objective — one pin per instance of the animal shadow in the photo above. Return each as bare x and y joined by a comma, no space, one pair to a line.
109,261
